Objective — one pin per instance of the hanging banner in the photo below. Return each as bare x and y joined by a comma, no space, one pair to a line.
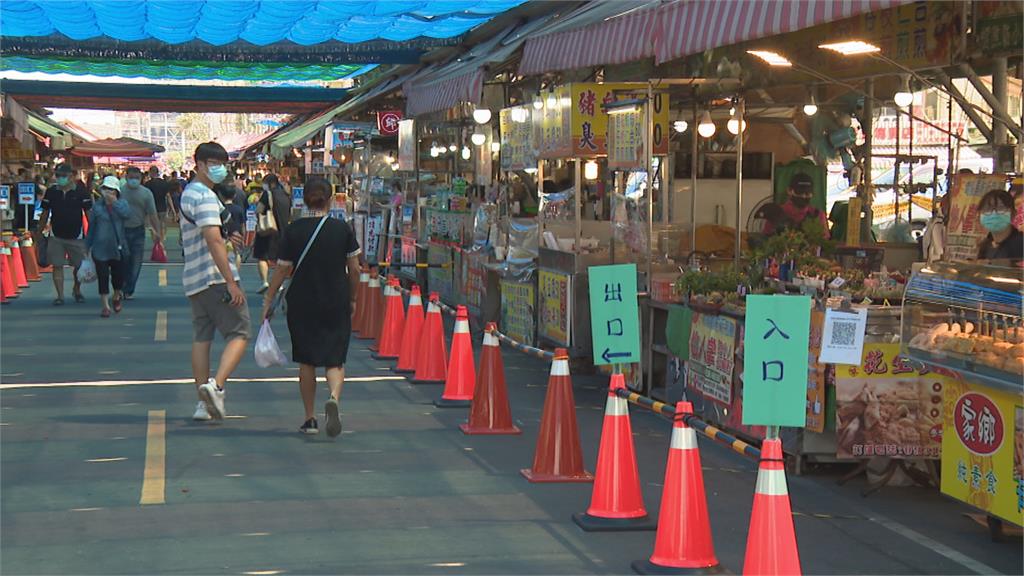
407,145
552,128
963,229
983,449
476,279
5,197
888,405
712,356
626,141
518,149
408,256
482,162
373,227
589,122
554,290
388,121
518,303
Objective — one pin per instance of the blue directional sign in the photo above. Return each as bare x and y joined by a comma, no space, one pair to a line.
614,314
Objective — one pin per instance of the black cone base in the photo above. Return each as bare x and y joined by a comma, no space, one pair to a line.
597,524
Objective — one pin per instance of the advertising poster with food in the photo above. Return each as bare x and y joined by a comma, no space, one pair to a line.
982,459
712,356
888,406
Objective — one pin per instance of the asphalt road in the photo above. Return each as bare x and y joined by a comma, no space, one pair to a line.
401,491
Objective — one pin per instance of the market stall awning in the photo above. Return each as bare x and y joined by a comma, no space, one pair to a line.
60,137
693,26
120,147
302,22
613,33
172,98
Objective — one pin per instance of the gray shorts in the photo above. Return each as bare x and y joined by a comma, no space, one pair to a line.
210,312
60,251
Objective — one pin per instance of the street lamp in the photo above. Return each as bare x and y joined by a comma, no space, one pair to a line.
851,48
771,58
706,127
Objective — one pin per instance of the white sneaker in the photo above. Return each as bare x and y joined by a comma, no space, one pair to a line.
213,398
201,413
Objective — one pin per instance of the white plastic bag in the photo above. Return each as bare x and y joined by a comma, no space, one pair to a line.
268,353
87,271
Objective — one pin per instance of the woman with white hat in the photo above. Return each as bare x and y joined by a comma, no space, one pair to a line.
106,242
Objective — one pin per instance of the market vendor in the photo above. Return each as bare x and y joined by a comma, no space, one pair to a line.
1003,240
797,208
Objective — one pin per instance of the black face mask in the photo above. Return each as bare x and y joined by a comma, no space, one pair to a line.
801,201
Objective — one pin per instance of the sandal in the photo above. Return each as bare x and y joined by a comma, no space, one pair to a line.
79,298
105,313
58,301
117,305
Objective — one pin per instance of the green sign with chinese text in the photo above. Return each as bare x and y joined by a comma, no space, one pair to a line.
775,343
614,314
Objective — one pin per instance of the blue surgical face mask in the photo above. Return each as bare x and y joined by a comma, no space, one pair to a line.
63,180
995,221
217,173
134,182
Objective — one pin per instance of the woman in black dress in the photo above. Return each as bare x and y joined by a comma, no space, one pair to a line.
266,248
321,299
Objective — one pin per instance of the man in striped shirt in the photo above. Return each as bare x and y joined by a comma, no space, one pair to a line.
211,281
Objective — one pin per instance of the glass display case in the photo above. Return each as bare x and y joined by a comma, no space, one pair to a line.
967,318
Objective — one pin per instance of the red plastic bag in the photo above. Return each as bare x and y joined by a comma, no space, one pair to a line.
158,254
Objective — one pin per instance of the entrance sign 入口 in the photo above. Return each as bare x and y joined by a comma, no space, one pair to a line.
614,314
775,341
297,195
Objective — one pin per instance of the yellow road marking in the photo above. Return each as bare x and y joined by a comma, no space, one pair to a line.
162,278
160,334
156,451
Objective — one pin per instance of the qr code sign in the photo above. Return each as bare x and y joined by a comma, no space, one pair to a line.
844,333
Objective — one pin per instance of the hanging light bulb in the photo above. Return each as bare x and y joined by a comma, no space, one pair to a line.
706,128
389,159
904,97
680,126
478,138
538,103
552,100
590,170
434,152
734,125
465,153
482,115
811,108
452,148
495,146
394,167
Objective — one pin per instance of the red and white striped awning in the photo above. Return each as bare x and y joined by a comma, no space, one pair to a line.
622,39
692,26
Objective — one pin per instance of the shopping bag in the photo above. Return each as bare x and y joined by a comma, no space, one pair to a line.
158,254
268,353
87,271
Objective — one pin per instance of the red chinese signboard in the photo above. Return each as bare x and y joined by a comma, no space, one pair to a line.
979,424
387,122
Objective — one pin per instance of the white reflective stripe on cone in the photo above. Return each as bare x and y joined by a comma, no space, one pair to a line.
364,277
374,283
461,327
683,439
415,300
432,307
560,367
772,483
490,340
616,406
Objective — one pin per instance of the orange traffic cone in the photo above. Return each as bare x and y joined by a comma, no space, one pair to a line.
411,332
390,344
370,305
771,542
359,320
683,544
461,380
490,413
28,252
18,262
558,457
616,502
376,322
431,360
6,274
